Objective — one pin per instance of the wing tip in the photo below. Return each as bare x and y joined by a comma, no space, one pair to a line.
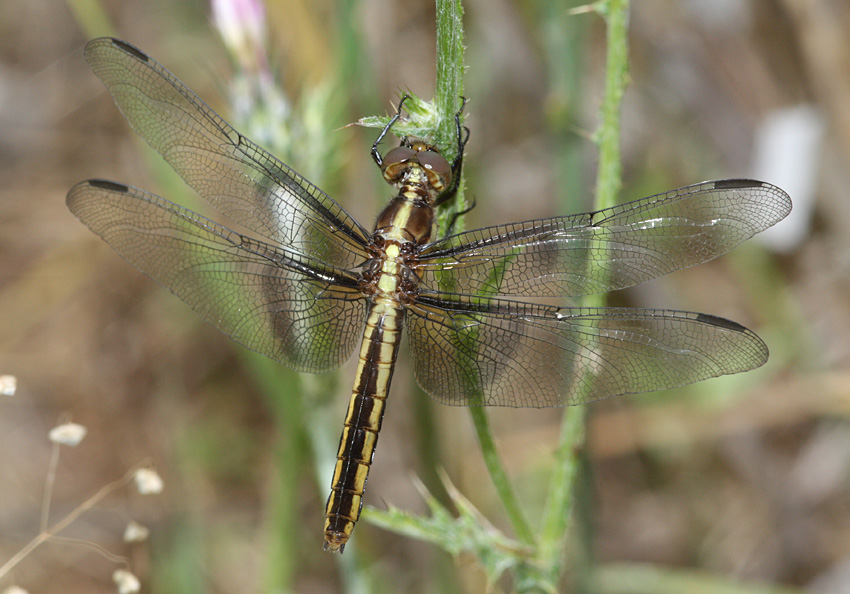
781,198
756,343
79,190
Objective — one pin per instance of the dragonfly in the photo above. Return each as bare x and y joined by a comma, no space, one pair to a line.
304,283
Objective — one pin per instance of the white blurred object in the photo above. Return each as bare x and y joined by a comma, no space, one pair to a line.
8,385
135,532
787,153
148,481
127,582
69,434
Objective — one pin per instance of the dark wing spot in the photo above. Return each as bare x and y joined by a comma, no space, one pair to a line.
722,322
132,50
105,184
731,184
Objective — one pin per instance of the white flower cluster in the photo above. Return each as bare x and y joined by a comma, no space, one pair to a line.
127,583
69,434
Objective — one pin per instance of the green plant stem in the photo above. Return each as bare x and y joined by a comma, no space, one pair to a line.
499,476
557,516
608,176
447,97
449,87
91,18
557,513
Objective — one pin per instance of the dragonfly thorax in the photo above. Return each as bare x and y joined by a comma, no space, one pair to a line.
408,218
390,271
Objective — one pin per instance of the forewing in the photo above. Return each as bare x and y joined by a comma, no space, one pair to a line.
298,311
243,181
605,250
469,351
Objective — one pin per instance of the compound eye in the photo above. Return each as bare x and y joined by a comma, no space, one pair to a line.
399,154
396,163
436,164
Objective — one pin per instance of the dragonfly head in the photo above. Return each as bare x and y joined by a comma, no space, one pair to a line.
417,155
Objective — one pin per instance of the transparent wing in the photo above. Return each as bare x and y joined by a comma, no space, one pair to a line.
243,181
471,351
272,300
605,250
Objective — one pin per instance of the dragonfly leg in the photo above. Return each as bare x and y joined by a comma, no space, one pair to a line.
451,226
375,154
457,164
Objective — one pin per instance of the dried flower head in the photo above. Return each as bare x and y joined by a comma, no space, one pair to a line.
135,532
127,583
8,385
69,434
148,481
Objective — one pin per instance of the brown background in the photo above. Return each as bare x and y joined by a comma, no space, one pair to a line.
744,477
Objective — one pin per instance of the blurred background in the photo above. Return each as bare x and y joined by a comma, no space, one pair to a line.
743,481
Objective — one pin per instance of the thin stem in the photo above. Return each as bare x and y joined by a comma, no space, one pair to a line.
499,476
20,555
91,18
46,535
557,516
608,176
557,513
49,481
118,559
447,97
449,86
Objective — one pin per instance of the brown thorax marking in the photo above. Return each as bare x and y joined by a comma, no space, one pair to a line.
408,281
422,174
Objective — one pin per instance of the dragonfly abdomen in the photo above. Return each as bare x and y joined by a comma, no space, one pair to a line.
378,353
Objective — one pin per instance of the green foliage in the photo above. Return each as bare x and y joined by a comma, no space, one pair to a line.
465,531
